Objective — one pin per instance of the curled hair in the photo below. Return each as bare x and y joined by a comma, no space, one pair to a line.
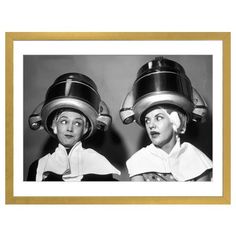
55,115
169,108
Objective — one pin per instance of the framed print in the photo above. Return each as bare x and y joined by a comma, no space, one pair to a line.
101,70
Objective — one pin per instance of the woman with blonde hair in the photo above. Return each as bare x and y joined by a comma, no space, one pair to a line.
72,112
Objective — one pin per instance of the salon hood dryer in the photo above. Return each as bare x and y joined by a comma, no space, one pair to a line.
72,91
158,82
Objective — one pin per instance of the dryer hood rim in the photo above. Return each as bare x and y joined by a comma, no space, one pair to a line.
66,103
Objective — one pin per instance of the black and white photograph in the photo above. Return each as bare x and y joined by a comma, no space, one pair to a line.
117,119
119,100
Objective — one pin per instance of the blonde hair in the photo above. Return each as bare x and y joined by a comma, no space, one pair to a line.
58,112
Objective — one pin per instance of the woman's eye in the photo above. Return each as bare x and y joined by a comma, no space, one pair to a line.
63,122
159,118
78,124
147,121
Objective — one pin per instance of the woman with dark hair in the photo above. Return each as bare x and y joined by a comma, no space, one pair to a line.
163,100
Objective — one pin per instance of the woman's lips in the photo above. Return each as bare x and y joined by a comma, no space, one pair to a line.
154,134
69,136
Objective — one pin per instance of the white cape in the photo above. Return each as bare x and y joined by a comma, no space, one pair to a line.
185,161
74,165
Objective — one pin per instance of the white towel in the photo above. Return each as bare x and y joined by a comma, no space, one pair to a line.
184,161
74,165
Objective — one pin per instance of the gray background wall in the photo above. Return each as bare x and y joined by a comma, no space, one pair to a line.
114,76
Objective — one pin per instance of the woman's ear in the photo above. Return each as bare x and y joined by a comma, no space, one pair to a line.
86,127
54,128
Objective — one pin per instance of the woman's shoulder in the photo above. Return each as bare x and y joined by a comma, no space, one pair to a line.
33,170
190,148
138,154
34,166
94,162
89,152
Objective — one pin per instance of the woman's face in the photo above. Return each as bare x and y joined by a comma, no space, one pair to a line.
160,130
69,127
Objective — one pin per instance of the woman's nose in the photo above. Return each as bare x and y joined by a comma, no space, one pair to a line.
70,127
152,125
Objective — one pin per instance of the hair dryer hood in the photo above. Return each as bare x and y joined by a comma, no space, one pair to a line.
161,81
78,92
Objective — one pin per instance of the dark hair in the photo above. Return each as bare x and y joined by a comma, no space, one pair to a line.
169,108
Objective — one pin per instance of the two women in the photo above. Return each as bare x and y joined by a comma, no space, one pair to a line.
162,100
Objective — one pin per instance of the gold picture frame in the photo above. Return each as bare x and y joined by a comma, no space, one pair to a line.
12,37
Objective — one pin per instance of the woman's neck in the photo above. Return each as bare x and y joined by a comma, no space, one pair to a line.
170,145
